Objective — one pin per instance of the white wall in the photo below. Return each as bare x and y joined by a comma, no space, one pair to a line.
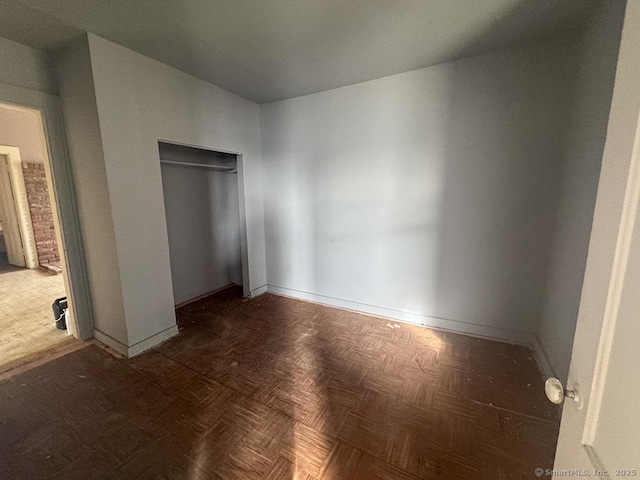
23,66
432,192
583,155
82,128
203,223
140,101
19,128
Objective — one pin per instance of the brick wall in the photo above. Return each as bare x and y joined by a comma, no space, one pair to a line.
41,214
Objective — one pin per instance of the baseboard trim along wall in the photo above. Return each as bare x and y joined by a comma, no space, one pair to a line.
501,334
543,359
258,291
138,347
505,335
117,345
207,294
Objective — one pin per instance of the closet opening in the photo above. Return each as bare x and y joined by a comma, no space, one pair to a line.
206,222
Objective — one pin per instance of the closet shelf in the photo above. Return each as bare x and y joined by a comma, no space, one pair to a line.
220,168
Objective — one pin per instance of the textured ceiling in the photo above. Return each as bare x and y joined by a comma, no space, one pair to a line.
267,50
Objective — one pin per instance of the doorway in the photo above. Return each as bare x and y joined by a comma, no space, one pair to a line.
205,221
33,274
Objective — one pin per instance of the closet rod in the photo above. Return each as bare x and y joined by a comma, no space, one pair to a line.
222,168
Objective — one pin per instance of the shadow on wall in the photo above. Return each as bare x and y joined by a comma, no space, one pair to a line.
431,192
583,148
503,158
434,192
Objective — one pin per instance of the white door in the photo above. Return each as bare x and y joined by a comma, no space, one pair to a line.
601,438
10,224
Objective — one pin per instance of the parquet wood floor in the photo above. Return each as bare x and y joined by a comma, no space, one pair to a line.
279,389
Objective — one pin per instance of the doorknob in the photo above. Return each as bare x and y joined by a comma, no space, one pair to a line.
556,392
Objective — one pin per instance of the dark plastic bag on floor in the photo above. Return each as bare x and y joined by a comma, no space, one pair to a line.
59,312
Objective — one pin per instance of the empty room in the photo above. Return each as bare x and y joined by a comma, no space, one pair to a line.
326,240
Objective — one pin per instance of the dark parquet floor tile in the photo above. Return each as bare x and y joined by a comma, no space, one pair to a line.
278,389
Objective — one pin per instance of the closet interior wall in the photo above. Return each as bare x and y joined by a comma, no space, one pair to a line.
203,220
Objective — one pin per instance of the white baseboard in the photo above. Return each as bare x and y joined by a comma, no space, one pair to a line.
111,342
150,342
258,291
205,295
494,333
543,359
503,334
138,347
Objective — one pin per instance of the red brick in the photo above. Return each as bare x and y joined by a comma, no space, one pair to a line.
41,213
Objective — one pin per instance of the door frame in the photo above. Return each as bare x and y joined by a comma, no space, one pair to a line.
244,242
64,201
21,205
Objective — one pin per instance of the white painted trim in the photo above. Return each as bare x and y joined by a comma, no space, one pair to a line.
199,147
138,347
117,345
207,294
628,223
510,336
543,359
259,291
244,235
21,204
65,198
150,342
